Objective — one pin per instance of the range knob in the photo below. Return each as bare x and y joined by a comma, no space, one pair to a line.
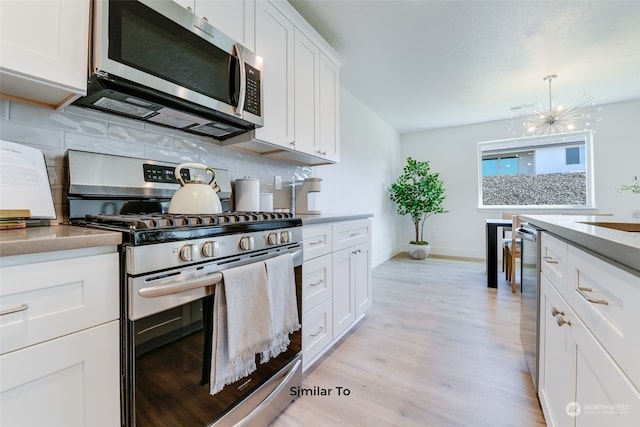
187,252
272,238
284,237
246,243
209,249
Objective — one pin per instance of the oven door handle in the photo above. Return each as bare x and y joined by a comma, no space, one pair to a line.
174,288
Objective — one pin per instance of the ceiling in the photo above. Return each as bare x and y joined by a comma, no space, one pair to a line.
425,64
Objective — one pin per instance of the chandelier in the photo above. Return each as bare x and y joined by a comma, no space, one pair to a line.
535,119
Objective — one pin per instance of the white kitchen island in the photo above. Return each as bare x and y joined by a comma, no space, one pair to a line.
589,315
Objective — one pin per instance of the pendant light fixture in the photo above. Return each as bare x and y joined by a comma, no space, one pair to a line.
536,119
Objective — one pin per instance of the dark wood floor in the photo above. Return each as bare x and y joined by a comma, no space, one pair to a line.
437,348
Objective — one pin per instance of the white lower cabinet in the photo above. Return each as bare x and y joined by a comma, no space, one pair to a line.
582,382
344,293
336,288
69,381
59,329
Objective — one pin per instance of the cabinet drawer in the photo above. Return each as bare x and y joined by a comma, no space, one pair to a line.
607,299
316,331
317,240
350,233
317,277
56,298
553,262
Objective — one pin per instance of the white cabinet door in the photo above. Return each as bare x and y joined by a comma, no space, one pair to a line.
344,313
604,395
232,17
329,109
362,278
306,68
44,47
275,44
72,381
557,357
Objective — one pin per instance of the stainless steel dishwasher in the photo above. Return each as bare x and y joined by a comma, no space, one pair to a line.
530,297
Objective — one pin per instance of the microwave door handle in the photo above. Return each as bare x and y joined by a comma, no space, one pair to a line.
243,80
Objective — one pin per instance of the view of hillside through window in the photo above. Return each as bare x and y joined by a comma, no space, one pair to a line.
548,171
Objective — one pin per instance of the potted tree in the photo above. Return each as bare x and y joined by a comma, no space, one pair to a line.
419,193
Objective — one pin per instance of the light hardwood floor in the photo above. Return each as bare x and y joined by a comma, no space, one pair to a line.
437,348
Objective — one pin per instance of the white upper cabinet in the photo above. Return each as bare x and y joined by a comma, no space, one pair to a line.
235,18
44,48
274,43
300,86
307,118
329,109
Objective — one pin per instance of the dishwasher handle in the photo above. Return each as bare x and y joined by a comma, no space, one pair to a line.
527,234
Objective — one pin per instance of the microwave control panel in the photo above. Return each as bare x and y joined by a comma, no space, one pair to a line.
252,96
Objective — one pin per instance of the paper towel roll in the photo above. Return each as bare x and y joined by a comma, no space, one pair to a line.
247,196
266,202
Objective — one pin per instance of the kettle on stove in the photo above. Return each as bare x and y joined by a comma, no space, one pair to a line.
196,196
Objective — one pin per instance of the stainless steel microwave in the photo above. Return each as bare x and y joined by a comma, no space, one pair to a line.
155,61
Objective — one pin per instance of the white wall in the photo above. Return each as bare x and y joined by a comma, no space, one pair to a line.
453,153
369,162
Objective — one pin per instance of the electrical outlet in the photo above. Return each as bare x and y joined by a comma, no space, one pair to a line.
277,182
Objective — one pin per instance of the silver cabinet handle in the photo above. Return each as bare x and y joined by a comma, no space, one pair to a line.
21,307
317,242
319,282
582,291
549,260
555,312
354,234
320,329
560,320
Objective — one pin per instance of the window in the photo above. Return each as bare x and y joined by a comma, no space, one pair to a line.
552,171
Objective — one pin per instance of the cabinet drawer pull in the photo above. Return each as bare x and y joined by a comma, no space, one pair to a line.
555,312
21,307
582,291
320,329
549,260
354,234
560,320
319,282
317,242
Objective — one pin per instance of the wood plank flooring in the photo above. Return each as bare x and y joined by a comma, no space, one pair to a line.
437,348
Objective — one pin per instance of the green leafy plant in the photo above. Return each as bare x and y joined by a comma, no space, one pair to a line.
634,187
419,193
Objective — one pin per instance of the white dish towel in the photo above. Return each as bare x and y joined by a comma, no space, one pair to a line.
284,305
242,325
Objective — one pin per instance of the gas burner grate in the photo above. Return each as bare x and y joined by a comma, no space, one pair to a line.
168,221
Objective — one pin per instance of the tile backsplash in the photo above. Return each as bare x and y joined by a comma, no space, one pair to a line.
55,131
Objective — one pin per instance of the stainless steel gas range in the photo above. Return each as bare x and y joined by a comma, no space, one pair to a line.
170,266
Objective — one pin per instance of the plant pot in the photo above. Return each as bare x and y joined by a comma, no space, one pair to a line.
419,251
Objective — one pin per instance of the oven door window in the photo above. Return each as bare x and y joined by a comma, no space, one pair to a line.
168,348
147,41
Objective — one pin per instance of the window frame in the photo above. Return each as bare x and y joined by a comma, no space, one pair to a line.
522,143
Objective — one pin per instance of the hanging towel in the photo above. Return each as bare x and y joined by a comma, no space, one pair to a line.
242,324
283,301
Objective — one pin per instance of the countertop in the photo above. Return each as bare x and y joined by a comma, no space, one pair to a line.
331,217
54,238
622,247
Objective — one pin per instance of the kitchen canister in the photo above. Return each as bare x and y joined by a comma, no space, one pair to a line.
266,202
247,195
